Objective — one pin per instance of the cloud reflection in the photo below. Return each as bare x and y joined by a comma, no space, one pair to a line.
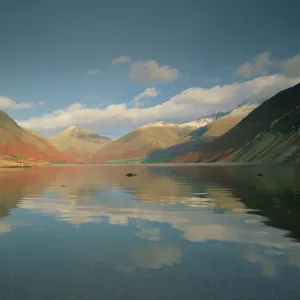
147,203
152,256
5,228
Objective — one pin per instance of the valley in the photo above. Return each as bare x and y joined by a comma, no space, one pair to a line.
252,132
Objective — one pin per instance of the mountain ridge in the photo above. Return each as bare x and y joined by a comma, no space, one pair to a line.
156,137
20,144
256,138
222,123
79,143
261,131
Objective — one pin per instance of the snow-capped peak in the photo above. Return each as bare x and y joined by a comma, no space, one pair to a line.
158,124
71,128
243,110
198,123
78,132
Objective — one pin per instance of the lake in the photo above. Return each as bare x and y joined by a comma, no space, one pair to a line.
171,232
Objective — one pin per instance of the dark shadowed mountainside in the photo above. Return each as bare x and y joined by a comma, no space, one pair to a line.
270,133
203,134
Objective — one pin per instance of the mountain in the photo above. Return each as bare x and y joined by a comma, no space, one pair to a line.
270,133
225,122
206,119
20,145
141,142
159,141
198,123
220,123
79,143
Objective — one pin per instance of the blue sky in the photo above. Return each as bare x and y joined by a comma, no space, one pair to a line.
200,55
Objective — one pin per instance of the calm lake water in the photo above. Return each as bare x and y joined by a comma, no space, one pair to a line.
171,232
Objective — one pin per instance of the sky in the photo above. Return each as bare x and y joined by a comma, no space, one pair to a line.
111,66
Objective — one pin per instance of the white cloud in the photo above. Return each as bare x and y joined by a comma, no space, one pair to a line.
93,72
121,60
150,72
259,66
291,66
7,103
262,63
148,92
190,104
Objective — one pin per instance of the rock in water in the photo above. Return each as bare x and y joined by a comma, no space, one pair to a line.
130,174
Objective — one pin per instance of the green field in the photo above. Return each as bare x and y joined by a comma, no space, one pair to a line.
134,160
141,160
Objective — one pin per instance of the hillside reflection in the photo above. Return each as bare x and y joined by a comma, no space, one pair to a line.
202,204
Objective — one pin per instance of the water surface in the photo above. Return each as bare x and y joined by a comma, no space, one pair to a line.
171,232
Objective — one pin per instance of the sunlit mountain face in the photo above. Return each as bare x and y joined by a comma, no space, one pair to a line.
79,143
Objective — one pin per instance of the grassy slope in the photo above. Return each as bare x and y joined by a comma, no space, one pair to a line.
280,143
221,126
255,138
140,143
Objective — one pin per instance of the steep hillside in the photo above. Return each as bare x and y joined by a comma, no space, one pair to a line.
204,134
79,143
142,141
270,133
280,143
17,143
221,125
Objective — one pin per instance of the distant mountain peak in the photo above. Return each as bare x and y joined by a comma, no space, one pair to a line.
72,127
217,114
79,132
75,128
78,142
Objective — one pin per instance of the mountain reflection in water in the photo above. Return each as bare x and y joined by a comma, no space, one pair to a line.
171,232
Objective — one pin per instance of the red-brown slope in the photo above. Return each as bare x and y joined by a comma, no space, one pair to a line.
19,142
76,154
